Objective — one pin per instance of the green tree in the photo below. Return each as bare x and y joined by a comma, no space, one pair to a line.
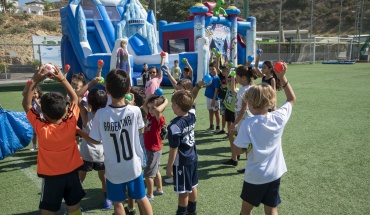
174,11
7,6
48,5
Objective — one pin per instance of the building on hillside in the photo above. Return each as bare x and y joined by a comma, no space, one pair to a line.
34,7
52,13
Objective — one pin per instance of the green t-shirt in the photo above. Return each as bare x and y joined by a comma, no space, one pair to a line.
176,72
230,100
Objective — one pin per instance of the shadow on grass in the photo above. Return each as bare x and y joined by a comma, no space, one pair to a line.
55,87
20,160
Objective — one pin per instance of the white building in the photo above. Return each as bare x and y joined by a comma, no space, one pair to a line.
35,7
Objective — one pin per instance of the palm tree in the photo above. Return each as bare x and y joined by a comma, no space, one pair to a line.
7,6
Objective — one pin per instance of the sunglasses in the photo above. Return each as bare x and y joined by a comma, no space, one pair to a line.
152,72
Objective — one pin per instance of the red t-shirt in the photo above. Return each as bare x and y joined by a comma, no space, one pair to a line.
152,138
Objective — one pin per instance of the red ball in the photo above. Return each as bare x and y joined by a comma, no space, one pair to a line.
49,75
67,67
28,82
278,66
100,62
163,54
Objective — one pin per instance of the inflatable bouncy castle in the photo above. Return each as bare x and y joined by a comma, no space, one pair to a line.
94,29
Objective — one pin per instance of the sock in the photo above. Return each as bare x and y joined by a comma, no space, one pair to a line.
76,212
192,206
211,126
218,127
181,210
105,195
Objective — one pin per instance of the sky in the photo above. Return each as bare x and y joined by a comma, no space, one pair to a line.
22,2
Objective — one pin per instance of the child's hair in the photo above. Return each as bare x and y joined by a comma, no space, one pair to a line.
184,99
97,99
186,69
143,113
39,91
117,83
153,67
145,64
260,96
176,61
269,64
53,105
80,77
139,95
156,100
186,84
248,72
211,64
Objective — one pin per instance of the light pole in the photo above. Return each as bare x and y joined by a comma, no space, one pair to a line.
340,22
313,60
280,33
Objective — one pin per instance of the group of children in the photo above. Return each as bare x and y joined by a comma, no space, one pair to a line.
118,144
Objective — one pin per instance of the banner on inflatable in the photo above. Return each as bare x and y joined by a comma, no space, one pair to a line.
47,49
15,132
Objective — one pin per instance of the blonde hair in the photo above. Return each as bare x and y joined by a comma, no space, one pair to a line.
260,96
123,42
184,99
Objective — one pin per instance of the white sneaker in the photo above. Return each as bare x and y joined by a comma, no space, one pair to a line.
168,180
217,130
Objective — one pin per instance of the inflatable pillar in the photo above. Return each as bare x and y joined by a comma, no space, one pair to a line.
251,37
202,44
199,11
233,13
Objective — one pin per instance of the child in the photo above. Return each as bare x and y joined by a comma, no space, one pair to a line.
244,76
117,126
176,71
213,102
145,74
37,94
263,131
223,74
182,158
188,71
92,154
155,79
58,158
154,106
229,103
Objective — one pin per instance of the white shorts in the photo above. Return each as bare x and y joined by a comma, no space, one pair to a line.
214,108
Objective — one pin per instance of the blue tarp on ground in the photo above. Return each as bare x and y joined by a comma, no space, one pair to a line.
15,132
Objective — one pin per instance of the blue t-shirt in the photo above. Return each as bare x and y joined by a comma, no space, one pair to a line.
181,136
210,89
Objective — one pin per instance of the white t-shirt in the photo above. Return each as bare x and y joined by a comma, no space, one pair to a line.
265,160
89,151
239,98
118,129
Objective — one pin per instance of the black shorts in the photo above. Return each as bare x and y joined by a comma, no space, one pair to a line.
229,115
56,188
267,194
89,166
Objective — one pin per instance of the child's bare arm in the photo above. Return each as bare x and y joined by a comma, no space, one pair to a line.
83,112
93,82
37,104
160,74
288,90
190,69
233,85
86,136
58,76
171,159
217,66
196,89
28,90
161,107
238,150
171,78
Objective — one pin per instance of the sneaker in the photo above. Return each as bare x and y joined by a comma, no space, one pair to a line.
231,162
32,149
150,198
241,171
107,204
168,180
217,130
210,128
191,213
220,131
130,212
158,193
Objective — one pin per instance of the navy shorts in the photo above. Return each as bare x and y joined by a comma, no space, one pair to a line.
135,190
56,188
89,166
267,194
229,116
185,178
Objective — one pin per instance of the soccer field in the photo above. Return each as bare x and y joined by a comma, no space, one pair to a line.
325,146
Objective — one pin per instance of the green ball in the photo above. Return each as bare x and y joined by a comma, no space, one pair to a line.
231,64
214,49
101,80
232,73
128,97
218,54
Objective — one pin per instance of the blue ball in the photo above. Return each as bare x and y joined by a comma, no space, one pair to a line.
259,51
250,58
207,78
164,68
158,92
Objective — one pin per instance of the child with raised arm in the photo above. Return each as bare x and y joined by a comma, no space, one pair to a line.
183,158
93,154
155,81
188,71
264,131
153,106
37,94
176,71
58,158
117,126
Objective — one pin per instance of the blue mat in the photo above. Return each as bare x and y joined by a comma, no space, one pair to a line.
338,62
15,132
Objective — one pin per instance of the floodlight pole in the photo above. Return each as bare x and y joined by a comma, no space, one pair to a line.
280,33
6,76
340,22
311,29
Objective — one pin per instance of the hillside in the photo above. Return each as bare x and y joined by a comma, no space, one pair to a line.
19,28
